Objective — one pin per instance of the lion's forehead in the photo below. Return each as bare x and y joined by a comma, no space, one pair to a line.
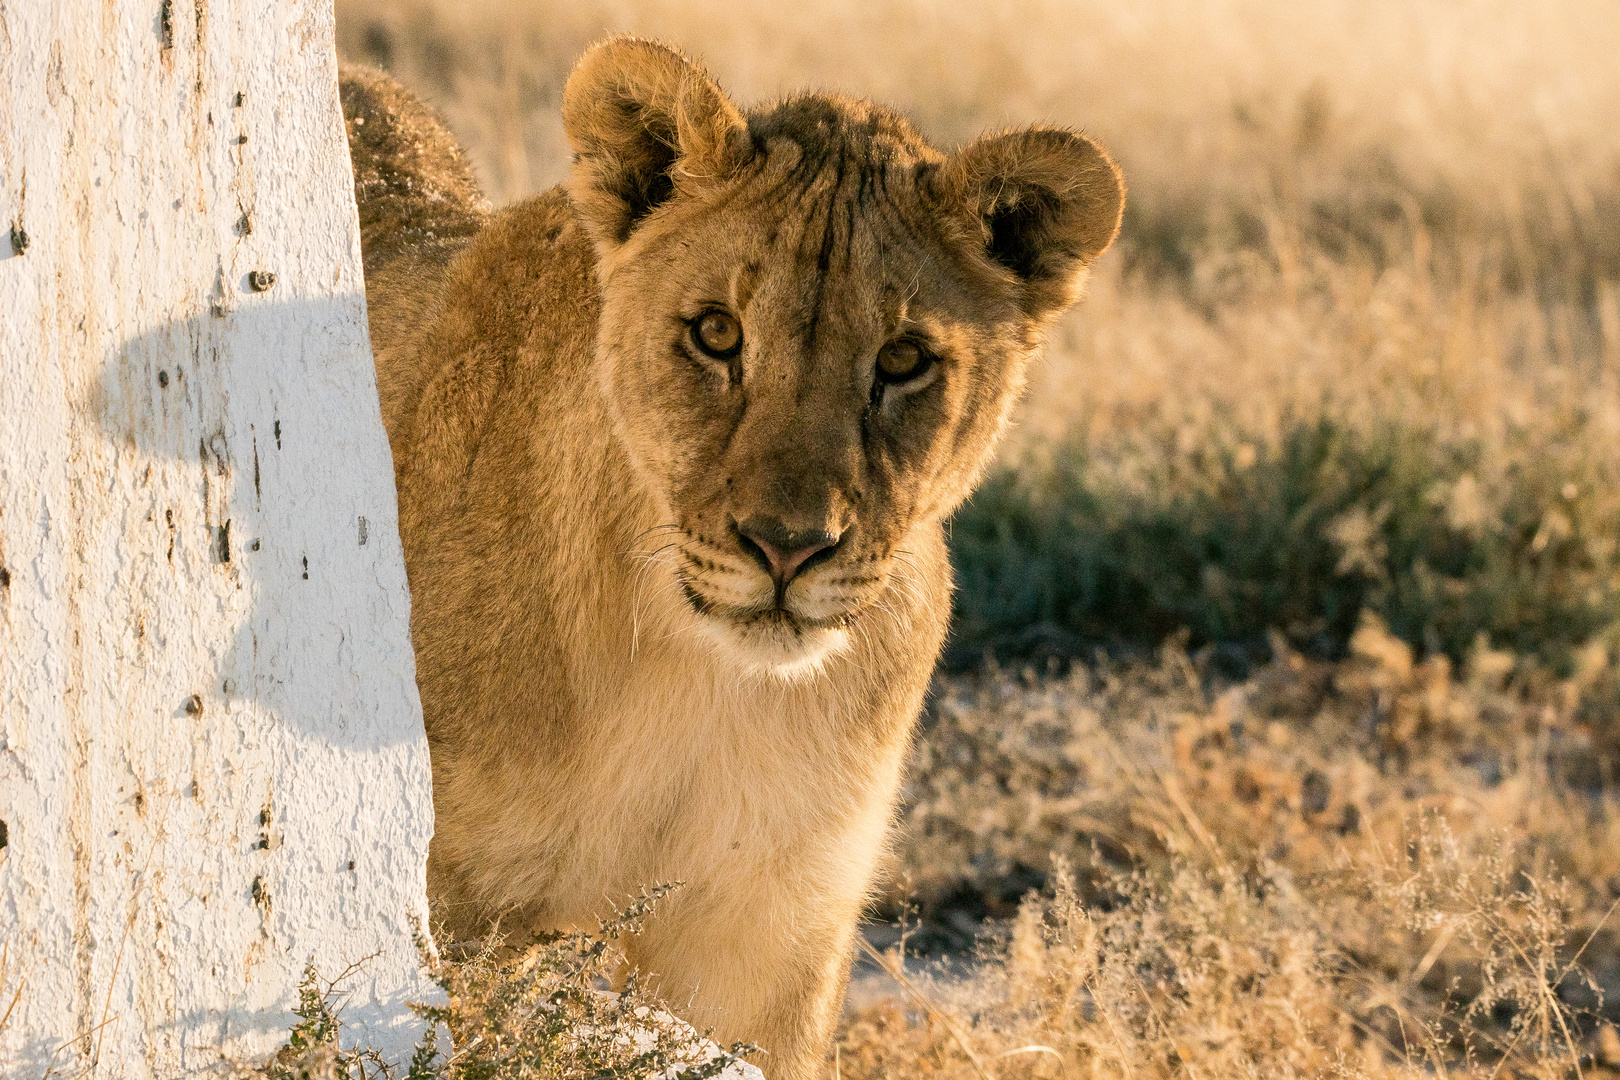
830,242
823,127
849,235
825,208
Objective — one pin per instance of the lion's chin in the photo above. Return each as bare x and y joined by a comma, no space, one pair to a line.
773,649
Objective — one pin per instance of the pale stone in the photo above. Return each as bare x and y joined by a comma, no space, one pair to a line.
212,764
659,1022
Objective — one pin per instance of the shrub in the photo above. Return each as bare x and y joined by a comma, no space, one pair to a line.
519,1012
1300,536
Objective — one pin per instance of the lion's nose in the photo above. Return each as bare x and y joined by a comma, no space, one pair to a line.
783,552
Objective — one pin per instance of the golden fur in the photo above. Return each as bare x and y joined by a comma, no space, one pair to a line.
623,681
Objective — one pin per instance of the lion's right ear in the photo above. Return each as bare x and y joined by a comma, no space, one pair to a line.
644,122
1044,203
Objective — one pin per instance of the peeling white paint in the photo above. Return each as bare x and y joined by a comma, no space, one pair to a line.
212,765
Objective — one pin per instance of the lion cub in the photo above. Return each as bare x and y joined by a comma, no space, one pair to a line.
674,446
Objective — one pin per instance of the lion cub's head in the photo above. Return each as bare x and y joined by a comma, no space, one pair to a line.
813,325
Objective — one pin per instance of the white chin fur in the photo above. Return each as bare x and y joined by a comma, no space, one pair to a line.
774,653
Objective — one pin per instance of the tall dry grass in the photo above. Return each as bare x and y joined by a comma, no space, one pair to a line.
1341,417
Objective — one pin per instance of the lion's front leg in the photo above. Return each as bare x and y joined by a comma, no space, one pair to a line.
771,973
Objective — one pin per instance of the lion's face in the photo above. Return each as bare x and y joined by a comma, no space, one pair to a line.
813,329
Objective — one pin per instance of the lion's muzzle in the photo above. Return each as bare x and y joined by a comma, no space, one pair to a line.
783,552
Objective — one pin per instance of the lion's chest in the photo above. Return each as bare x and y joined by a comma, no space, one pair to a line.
684,775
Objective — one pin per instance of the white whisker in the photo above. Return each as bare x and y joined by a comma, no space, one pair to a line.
647,559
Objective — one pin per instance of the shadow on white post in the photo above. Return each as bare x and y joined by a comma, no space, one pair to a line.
212,764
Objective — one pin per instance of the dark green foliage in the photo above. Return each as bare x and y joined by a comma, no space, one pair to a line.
1298,537
312,1051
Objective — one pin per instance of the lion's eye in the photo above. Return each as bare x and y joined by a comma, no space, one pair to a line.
901,361
717,334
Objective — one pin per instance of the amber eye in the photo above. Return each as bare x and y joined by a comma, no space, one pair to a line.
717,334
901,361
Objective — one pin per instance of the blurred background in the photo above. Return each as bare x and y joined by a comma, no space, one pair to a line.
1299,575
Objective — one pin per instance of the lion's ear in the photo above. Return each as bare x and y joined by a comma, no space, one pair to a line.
1046,204
644,122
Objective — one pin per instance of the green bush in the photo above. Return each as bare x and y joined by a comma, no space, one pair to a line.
1299,536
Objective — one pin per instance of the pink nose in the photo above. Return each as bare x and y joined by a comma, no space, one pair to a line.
782,551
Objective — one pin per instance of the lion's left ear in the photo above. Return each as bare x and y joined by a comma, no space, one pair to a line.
1046,204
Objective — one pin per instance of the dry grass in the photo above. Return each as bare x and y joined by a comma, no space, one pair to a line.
1378,866
1341,416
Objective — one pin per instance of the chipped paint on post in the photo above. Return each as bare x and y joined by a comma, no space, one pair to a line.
212,765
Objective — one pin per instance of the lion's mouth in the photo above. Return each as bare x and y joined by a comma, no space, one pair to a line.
776,616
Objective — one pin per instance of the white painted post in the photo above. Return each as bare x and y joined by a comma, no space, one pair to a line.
212,764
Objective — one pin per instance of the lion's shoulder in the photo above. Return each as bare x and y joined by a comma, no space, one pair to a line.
473,356
464,302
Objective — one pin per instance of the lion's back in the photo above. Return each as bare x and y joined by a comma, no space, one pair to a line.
479,318
413,184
